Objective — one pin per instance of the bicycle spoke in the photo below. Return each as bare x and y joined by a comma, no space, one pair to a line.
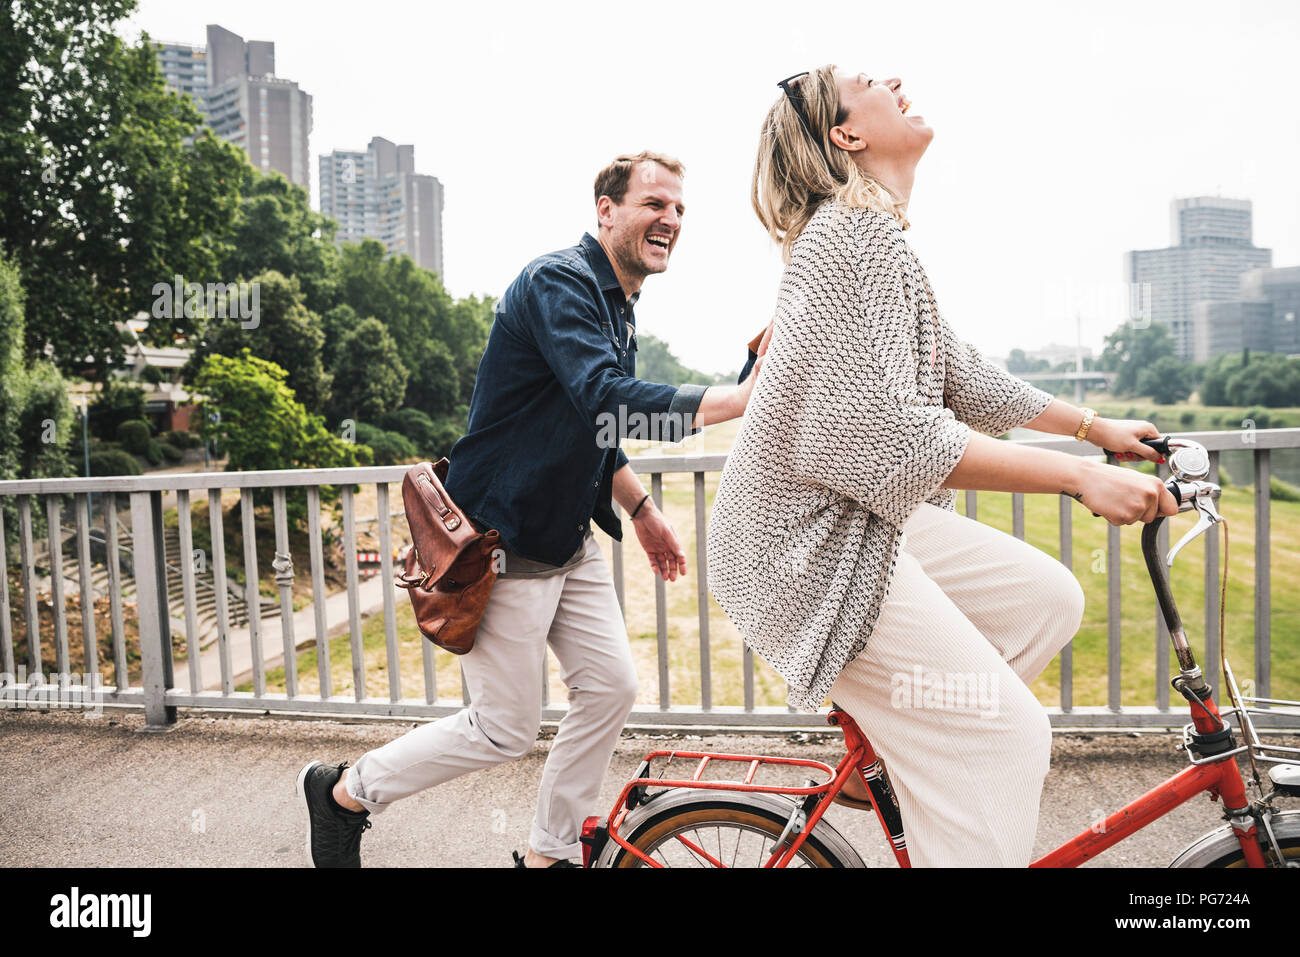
697,849
732,844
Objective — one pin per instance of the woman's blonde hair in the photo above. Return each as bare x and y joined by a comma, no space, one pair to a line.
793,175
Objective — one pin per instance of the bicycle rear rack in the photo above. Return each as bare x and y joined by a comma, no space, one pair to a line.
643,781
634,793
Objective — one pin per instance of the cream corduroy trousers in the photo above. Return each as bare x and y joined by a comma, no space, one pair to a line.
577,614
972,614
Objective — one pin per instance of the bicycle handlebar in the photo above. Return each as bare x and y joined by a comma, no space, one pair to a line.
1159,443
1156,567
1190,464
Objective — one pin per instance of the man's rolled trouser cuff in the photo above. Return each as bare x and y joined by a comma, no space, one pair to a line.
352,784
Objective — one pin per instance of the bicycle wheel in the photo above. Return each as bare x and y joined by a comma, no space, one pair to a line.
727,828
1220,848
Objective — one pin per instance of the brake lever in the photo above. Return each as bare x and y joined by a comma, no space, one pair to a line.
1201,498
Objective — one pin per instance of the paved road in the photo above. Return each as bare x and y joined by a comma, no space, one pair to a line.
82,790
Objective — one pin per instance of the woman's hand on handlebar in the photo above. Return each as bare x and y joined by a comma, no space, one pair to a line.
1124,437
1123,496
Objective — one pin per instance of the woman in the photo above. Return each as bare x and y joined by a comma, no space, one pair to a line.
834,544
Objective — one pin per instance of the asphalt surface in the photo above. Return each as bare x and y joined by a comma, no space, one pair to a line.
88,791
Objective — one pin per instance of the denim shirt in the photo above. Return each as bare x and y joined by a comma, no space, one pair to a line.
556,391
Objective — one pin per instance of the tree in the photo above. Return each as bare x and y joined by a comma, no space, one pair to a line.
1167,380
335,324
414,425
35,415
372,379
11,366
419,314
415,309
117,402
1130,349
408,300
1214,387
1270,379
389,448
471,321
655,362
100,198
277,230
287,334
435,386
261,425
1018,363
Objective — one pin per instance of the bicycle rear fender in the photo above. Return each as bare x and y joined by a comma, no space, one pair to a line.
675,799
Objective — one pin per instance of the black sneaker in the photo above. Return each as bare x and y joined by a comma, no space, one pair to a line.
519,862
333,834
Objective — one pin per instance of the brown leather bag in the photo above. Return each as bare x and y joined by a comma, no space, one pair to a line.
450,570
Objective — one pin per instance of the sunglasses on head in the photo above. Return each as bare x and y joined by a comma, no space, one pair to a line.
797,100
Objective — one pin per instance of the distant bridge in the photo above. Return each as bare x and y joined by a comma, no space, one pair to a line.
1078,378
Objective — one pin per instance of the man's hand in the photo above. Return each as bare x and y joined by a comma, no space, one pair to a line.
759,352
667,558
767,337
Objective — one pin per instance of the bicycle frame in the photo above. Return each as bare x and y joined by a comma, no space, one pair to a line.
1208,738
1220,778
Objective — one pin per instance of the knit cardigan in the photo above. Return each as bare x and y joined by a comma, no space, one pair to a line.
852,424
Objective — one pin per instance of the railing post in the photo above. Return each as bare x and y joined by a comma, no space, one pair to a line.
661,605
151,607
1263,576
1065,518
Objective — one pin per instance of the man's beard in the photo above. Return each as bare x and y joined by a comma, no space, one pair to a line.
632,260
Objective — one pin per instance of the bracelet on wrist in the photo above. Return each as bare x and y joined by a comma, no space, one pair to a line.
639,504
1086,424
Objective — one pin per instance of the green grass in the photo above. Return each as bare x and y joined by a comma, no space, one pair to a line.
375,656
1185,416
1137,599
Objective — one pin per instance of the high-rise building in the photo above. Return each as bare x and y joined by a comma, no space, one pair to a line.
1263,317
377,194
243,100
1211,249
1221,327
1281,288
185,69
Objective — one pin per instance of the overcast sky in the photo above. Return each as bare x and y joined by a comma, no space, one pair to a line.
1062,133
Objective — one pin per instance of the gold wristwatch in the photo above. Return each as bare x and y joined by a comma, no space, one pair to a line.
1088,415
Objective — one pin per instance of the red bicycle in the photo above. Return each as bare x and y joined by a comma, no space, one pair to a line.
661,821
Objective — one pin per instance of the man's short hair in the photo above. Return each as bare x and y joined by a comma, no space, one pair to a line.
613,180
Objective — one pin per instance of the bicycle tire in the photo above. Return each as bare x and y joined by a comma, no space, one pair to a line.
747,816
1220,847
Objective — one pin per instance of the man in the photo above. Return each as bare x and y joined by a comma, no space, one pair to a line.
556,389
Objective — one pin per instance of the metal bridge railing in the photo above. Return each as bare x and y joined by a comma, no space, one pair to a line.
210,674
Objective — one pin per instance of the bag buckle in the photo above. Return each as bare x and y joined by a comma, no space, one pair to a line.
422,581
412,581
